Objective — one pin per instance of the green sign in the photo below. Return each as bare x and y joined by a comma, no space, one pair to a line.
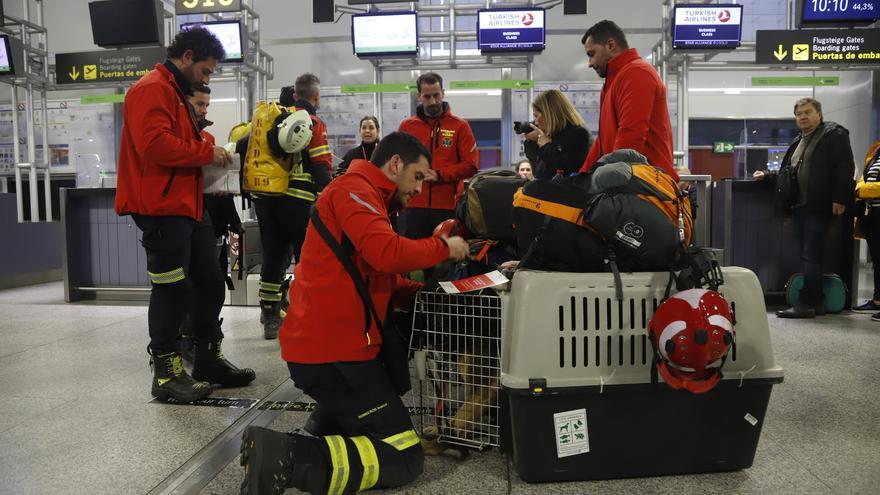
378,88
98,99
796,81
722,147
499,84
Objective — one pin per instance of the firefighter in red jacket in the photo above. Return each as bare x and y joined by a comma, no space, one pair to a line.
366,439
633,112
283,217
160,185
455,157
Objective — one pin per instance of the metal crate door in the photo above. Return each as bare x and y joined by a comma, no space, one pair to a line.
457,344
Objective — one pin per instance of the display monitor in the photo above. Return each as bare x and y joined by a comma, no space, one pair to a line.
121,23
229,34
510,30
706,27
839,11
385,34
6,66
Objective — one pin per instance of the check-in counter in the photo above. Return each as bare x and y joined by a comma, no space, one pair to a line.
752,236
102,257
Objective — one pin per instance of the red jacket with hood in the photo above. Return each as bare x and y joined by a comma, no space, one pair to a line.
454,155
162,151
633,113
325,322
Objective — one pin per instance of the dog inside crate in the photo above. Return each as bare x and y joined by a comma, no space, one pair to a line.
460,335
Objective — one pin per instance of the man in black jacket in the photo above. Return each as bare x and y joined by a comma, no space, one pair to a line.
824,160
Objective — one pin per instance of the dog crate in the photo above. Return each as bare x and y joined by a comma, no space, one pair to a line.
576,372
456,341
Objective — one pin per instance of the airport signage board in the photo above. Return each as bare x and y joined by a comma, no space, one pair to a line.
818,47
706,26
125,65
513,30
839,11
184,7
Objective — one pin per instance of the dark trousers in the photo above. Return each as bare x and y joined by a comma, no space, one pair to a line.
418,223
364,422
182,263
871,230
811,230
283,221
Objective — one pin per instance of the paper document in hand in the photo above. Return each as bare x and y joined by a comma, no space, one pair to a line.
223,180
477,282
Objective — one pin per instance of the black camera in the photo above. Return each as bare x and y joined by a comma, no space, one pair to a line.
522,127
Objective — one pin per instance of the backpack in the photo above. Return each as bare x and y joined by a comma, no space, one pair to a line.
264,171
624,213
485,206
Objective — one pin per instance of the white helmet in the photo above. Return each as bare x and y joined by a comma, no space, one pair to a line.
295,131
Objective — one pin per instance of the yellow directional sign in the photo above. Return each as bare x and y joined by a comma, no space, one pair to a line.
800,52
125,65
780,52
825,47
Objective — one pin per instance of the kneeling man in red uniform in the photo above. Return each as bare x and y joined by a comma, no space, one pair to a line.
363,437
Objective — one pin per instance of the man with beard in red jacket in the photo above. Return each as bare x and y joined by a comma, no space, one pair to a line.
160,185
632,111
451,142
365,437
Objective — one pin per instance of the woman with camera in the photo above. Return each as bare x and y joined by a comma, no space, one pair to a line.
557,142
369,131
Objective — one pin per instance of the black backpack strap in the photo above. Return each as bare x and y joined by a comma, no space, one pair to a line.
344,256
539,237
612,263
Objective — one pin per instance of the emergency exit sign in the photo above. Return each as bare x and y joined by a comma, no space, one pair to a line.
722,147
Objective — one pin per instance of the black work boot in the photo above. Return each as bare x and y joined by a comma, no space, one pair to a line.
274,461
187,348
267,457
271,319
170,380
285,298
212,367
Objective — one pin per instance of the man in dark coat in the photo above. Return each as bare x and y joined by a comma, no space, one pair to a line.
824,160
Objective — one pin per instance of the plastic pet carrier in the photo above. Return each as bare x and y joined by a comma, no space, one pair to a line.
576,372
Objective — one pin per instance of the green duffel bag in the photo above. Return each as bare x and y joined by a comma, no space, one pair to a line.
833,291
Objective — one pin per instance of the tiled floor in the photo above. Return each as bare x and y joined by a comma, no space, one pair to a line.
76,416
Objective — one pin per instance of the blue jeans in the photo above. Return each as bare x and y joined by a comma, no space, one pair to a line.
811,230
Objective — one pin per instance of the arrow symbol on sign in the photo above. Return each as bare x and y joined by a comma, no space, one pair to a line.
780,52
73,73
728,146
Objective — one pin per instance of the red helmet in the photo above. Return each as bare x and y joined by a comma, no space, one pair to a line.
449,227
691,333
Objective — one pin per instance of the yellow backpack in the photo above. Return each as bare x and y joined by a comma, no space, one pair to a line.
264,172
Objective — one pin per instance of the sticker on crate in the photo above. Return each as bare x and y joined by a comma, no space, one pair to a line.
477,282
571,433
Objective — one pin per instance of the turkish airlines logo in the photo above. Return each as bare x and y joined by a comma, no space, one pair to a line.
724,16
527,19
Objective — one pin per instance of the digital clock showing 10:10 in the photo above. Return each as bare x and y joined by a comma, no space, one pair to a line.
840,11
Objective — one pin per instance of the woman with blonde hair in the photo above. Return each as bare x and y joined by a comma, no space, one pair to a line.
560,141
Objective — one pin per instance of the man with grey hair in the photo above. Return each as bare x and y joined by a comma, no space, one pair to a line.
823,161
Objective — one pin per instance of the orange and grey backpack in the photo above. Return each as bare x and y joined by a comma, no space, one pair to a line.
624,214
